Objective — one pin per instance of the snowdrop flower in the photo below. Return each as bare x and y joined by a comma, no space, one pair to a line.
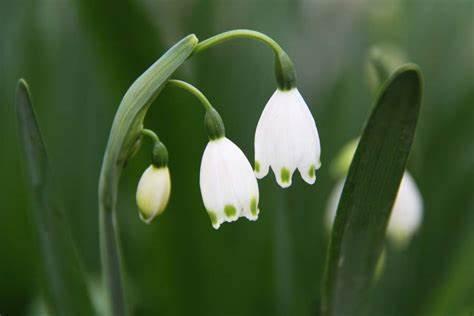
287,139
406,216
229,188
154,187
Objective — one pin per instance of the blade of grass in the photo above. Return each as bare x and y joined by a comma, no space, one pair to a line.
64,278
369,193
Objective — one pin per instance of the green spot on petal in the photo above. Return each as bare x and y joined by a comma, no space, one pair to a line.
230,210
253,206
312,171
257,166
285,175
213,217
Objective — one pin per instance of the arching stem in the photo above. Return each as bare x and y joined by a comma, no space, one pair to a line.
284,69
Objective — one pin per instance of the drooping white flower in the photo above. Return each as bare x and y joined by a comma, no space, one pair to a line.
406,216
153,192
229,188
287,139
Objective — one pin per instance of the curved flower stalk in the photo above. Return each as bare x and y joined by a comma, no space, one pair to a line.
287,139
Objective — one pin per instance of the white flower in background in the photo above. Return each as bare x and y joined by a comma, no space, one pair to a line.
407,211
229,188
153,192
287,139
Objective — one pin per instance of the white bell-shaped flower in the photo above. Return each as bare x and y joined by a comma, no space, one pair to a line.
406,216
287,139
153,192
229,188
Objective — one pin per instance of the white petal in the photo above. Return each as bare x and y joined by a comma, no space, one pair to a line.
229,188
153,192
286,138
407,213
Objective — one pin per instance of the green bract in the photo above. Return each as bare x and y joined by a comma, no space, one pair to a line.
124,135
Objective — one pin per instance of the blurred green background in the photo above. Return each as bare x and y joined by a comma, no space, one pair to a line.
80,56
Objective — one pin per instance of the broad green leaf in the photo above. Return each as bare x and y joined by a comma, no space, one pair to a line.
369,193
124,141
65,281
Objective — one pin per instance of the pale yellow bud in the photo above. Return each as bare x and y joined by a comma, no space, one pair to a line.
153,192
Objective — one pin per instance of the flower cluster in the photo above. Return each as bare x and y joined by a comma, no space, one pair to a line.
286,139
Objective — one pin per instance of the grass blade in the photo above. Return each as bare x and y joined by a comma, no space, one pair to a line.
369,193
64,279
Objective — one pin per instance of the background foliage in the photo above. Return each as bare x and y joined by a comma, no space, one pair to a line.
80,56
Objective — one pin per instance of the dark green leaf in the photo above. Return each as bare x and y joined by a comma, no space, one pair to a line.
369,193
65,281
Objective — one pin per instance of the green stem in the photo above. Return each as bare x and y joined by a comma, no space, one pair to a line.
212,121
111,260
149,133
193,90
159,154
225,36
284,69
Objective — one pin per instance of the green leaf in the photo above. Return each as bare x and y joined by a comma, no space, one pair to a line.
124,141
369,193
65,281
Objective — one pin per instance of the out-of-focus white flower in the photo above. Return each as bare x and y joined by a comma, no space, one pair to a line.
229,188
287,139
153,192
407,211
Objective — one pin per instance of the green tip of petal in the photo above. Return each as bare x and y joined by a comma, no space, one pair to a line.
230,211
145,217
253,207
285,175
312,171
257,166
213,217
